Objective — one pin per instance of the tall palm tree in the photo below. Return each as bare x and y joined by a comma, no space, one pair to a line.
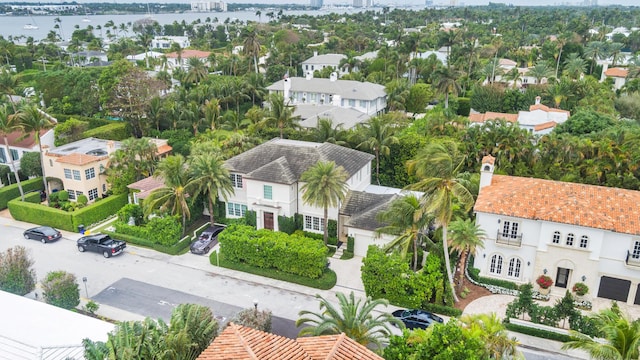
595,50
8,85
145,39
34,120
191,329
9,123
540,70
325,186
446,82
438,168
353,317
490,330
172,197
406,218
621,335
377,135
281,114
465,237
197,71
209,177
574,66
211,111
251,46
326,132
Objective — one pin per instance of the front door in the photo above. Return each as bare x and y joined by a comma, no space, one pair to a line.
562,279
268,220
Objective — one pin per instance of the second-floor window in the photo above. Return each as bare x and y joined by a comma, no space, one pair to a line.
570,238
76,175
67,174
556,237
584,241
636,250
510,229
236,180
90,173
14,154
268,192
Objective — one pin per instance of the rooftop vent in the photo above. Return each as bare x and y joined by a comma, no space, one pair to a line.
97,152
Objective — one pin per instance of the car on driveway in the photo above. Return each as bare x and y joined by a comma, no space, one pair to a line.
44,234
206,240
101,243
416,319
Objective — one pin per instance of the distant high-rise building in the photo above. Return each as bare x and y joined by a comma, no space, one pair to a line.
357,3
208,6
316,3
428,2
362,3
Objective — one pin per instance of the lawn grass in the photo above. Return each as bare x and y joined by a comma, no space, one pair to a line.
325,282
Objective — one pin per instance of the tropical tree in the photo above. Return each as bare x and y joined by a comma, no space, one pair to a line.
9,123
281,114
211,111
353,317
172,197
326,132
325,186
406,219
438,169
540,70
210,178
621,337
465,237
445,81
33,120
575,66
191,329
197,71
251,46
490,330
376,136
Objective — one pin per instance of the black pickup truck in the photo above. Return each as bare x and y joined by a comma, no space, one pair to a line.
101,243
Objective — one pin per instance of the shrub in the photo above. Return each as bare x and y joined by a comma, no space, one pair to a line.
131,210
350,244
544,281
287,224
580,289
82,199
32,197
442,309
474,274
99,211
332,228
115,131
164,230
41,215
10,192
17,275
61,289
259,320
250,218
92,307
538,332
63,195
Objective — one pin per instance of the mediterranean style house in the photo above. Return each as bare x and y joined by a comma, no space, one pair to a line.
266,179
570,232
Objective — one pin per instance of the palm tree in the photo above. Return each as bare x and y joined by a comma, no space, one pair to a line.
9,123
145,40
490,330
574,66
352,317
446,82
211,111
465,237
34,120
326,132
438,166
325,186
377,137
595,50
209,177
406,218
197,71
281,114
8,85
621,335
539,71
251,46
191,329
172,197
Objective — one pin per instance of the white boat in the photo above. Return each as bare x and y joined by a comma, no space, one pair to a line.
86,19
30,27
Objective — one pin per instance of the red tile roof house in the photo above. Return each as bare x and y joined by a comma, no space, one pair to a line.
237,342
18,145
570,232
173,62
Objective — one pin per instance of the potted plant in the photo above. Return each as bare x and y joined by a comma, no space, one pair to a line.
545,283
580,289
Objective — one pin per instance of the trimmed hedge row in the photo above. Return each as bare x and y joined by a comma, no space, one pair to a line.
32,197
115,131
442,309
474,273
10,192
268,249
537,332
60,219
176,249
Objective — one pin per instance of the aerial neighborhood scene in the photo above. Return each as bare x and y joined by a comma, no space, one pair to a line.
320,180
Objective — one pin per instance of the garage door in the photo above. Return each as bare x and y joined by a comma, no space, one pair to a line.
614,289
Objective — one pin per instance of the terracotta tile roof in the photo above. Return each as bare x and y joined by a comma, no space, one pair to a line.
189,54
488,159
617,72
79,159
481,118
544,126
507,62
591,206
547,109
237,342
163,149
27,143
146,186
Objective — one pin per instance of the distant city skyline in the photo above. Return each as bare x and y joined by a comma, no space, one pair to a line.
399,3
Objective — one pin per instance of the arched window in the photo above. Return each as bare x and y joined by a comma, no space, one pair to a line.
514,268
496,264
570,238
556,237
584,241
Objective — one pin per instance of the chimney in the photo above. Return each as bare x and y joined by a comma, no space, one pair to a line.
486,171
538,100
333,77
315,53
309,75
286,87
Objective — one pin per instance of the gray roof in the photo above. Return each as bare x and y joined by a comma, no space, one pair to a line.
362,208
283,161
347,117
91,146
327,59
347,89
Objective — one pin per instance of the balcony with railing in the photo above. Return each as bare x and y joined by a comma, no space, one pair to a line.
507,238
632,259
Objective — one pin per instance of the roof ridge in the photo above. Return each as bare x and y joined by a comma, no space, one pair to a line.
243,342
336,346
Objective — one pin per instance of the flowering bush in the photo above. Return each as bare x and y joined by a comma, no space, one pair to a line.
580,289
544,281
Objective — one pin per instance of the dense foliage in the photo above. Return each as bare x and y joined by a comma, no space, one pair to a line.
17,275
61,289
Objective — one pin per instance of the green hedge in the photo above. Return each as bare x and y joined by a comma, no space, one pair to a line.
115,131
93,122
442,309
350,244
32,197
474,274
179,248
158,231
538,332
41,215
268,249
99,210
60,219
10,192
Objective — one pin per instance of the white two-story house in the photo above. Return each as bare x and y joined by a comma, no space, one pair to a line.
266,179
570,232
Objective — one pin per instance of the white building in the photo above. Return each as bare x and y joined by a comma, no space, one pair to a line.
319,62
206,6
570,232
164,42
19,145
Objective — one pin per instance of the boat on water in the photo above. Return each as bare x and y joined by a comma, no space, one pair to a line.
86,19
30,27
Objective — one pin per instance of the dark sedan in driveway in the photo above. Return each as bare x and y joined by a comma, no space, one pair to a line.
206,240
43,234
417,319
